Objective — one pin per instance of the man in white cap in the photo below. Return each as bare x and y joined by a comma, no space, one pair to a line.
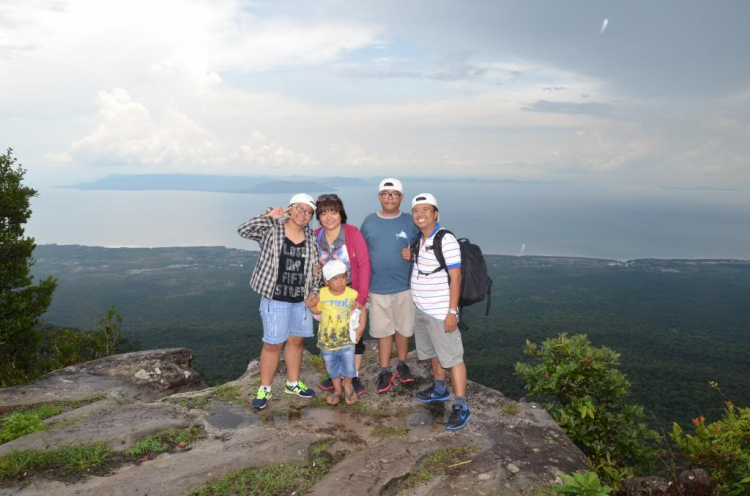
436,289
284,277
387,232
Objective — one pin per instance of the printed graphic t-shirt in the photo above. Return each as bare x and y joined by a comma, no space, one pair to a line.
290,285
335,312
431,292
386,237
327,253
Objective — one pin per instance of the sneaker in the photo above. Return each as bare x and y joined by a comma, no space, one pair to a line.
359,388
385,380
404,374
430,396
460,416
300,390
326,385
261,399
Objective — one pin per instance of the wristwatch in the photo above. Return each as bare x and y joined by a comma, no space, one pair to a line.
454,312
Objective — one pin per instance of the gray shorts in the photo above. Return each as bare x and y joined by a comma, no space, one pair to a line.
391,312
432,341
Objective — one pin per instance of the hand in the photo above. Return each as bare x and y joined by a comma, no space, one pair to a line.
312,300
451,323
358,305
278,212
406,254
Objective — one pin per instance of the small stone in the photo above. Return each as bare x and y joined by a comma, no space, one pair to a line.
484,477
142,374
512,468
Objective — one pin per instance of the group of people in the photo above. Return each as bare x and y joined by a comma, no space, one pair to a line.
386,270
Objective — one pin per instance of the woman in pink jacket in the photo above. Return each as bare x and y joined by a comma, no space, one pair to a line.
341,241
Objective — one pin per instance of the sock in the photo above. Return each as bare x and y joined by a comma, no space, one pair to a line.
266,388
457,401
385,369
290,385
356,373
401,362
439,386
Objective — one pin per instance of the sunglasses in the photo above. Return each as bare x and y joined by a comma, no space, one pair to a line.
328,196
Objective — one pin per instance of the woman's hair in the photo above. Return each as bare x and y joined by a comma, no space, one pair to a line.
328,203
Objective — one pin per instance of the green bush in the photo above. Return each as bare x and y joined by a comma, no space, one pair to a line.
586,395
722,447
587,484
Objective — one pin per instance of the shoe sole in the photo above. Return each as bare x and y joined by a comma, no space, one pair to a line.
325,389
388,387
406,381
260,407
462,425
433,400
297,394
362,392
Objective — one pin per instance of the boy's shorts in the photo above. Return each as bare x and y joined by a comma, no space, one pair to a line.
340,362
432,341
390,313
282,319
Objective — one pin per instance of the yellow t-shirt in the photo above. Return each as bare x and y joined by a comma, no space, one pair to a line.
335,312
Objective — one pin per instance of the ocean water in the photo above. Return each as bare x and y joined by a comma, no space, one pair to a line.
503,218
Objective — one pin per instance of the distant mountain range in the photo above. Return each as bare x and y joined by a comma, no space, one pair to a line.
252,184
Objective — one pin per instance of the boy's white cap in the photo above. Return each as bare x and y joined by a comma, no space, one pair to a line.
424,198
391,183
333,268
303,198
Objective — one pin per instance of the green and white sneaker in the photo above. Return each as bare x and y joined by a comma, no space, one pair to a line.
261,398
300,390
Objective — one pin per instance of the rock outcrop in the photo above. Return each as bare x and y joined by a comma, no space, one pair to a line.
383,444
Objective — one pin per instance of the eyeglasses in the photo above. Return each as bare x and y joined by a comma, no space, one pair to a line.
328,196
303,210
390,194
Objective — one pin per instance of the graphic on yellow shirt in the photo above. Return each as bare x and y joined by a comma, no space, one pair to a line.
335,312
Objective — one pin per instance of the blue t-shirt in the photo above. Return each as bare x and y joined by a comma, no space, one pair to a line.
385,238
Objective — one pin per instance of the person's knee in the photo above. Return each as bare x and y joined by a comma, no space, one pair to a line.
294,341
274,348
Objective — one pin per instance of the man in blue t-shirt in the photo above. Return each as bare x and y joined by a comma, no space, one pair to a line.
388,233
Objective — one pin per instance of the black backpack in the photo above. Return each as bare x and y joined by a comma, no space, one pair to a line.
475,282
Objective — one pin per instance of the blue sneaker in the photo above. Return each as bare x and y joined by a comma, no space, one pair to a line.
430,396
300,390
460,416
261,399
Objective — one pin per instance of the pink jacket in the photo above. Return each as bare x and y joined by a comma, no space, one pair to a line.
359,259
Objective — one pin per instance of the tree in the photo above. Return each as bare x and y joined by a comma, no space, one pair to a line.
21,301
588,399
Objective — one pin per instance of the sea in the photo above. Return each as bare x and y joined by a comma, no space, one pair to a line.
509,218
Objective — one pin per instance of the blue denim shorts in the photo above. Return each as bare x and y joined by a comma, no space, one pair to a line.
282,319
340,362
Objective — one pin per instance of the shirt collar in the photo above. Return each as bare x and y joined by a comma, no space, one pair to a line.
437,228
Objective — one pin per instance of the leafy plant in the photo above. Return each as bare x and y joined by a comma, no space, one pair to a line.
150,445
586,484
721,447
587,397
16,425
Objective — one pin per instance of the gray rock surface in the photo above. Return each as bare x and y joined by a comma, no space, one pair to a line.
375,444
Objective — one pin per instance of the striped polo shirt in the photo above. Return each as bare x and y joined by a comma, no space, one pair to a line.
431,293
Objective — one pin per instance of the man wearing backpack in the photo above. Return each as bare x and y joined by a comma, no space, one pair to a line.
436,290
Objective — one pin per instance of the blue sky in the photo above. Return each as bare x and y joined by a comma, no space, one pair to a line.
529,89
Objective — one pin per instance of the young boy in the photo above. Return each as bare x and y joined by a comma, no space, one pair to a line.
335,306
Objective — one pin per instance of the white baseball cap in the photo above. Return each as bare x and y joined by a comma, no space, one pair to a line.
424,198
391,183
333,268
303,198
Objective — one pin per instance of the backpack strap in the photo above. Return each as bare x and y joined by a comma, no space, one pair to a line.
437,249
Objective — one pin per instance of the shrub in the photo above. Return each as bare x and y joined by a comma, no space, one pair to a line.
587,484
721,447
586,395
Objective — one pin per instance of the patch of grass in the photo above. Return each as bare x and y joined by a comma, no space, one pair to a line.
369,409
436,464
510,408
166,442
386,431
201,402
148,446
317,362
228,394
64,462
271,481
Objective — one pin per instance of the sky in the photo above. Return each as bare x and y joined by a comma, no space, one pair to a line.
636,92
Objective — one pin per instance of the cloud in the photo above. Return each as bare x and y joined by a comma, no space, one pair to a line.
573,108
